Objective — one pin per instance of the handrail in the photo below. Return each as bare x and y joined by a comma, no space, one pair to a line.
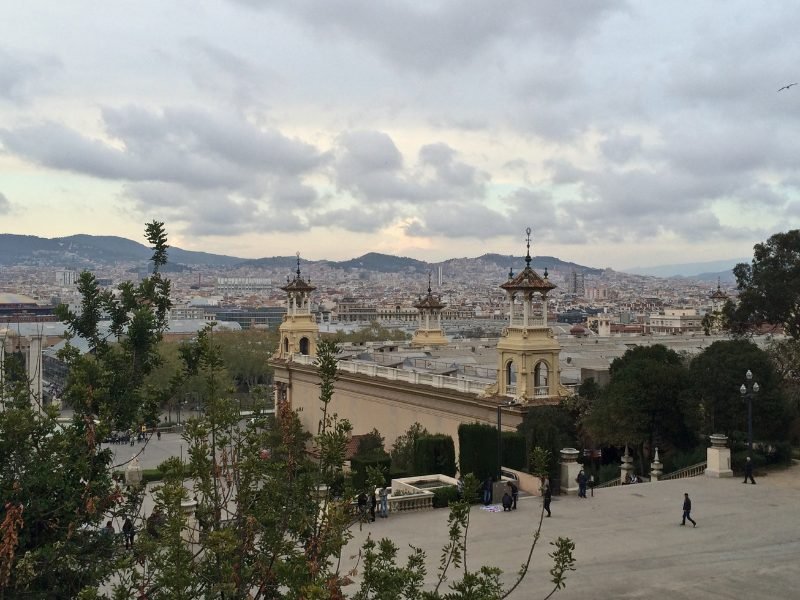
691,471
609,483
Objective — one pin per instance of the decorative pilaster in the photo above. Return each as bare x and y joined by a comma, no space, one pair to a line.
718,457
569,470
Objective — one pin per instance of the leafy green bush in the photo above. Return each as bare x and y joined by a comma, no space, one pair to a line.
443,496
607,473
739,458
674,461
435,454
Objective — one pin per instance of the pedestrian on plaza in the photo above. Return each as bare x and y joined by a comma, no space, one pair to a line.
547,494
507,502
687,509
384,497
487,491
582,479
158,435
362,505
748,471
514,493
109,529
128,532
373,504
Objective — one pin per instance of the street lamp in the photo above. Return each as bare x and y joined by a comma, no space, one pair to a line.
748,390
500,439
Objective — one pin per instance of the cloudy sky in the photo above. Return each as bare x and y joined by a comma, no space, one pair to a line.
624,133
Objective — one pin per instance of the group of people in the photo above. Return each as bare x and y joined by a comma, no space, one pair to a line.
380,499
128,531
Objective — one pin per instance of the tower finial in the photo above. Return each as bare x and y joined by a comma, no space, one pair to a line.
298,264
429,283
528,255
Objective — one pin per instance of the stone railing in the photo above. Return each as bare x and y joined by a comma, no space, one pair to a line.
422,500
460,384
692,471
608,484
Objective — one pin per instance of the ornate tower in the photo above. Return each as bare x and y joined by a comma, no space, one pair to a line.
429,332
299,330
528,367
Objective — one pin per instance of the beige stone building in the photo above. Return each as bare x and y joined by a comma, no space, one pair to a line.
423,382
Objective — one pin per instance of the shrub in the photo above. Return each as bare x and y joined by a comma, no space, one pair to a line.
443,496
674,461
513,450
435,454
477,449
358,464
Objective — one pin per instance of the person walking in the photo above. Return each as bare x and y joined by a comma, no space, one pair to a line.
748,471
373,504
384,497
128,532
547,494
514,494
582,479
687,509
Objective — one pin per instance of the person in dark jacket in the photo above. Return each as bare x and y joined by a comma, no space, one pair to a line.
748,471
362,505
128,532
547,494
487,491
373,504
582,479
507,502
514,494
687,509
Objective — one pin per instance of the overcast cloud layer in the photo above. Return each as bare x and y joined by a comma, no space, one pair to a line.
623,133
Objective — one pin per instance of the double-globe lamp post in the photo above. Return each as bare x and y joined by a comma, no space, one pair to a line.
748,390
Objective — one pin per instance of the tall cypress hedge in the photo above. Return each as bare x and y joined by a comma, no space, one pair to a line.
477,449
435,454
513,446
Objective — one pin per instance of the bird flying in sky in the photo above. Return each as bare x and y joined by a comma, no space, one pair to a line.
786,87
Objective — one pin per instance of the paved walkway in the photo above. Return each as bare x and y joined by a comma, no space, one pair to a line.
629,543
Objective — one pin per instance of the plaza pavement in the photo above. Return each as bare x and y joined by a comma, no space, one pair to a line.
629,542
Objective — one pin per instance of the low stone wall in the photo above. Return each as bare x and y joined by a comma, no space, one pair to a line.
526,482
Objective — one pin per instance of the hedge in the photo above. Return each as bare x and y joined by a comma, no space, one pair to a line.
477,450
513,447
443,496
435,454
375,458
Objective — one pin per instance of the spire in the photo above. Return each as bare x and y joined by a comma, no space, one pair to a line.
298,264
429,283
528,255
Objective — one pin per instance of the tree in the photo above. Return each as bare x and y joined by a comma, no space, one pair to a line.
769,287
56,481
716,375
405,447
646,402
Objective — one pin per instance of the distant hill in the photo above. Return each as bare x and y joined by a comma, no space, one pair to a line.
701,270
539,263
83,251
385,263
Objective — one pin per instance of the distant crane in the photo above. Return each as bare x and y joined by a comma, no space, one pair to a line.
786,87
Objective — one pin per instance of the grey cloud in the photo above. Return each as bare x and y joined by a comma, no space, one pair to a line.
430,37
620,148
20,74
5,205
459,220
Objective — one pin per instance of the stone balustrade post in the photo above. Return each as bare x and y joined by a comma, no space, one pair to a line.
133,474
190,532
626,467
569,470
718,457
656,468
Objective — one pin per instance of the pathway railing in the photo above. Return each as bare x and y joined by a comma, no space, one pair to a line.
692,471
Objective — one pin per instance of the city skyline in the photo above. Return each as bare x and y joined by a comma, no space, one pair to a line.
626,134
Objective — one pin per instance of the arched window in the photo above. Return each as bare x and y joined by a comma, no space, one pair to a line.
511,377
286,345
541,375
304,346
